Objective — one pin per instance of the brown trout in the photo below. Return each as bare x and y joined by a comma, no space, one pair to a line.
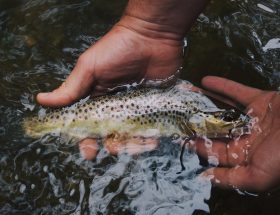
145,113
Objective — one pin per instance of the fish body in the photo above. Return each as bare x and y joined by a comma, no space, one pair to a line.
145,112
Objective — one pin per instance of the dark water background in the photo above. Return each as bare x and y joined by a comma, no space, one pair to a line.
40,41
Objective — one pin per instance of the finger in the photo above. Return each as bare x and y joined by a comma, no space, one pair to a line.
229,177
76,86
235,91
133,145
226,154
240,177
209,94
88,148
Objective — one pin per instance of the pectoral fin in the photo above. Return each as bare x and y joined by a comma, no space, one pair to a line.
189,133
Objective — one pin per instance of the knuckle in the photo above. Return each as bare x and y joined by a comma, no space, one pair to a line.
82,59
258,181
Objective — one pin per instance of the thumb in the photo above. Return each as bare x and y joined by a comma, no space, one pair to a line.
233,90
76,86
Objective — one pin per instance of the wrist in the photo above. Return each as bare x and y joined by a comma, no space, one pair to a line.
149,30
165,19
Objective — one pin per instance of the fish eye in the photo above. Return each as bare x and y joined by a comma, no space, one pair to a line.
230,115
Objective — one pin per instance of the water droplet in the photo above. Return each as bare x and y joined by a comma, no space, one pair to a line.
22,188
45,168
72,192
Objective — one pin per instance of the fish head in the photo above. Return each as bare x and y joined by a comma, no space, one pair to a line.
220,124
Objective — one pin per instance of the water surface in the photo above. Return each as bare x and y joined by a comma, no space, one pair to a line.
39,45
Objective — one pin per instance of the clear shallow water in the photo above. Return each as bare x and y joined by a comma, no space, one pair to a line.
39,43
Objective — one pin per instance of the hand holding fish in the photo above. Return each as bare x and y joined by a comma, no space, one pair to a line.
252,162
249,163
147,43
120,57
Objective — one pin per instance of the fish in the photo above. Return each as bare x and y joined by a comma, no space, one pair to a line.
148,112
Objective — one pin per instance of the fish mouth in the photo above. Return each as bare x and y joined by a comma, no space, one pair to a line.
239,131
239,121
227,124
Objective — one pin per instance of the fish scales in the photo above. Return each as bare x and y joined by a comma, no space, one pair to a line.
144,112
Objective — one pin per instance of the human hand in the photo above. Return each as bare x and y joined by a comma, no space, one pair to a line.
252,162
124,55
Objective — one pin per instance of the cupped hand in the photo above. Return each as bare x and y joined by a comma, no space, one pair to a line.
252,162
124,55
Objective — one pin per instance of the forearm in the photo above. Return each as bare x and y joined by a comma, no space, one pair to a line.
162,18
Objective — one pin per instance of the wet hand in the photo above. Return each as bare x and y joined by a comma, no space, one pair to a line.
122,56
252,162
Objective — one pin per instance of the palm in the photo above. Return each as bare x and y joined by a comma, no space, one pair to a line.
122,56
253,162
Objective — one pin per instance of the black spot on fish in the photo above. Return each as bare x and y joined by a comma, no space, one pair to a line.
112,108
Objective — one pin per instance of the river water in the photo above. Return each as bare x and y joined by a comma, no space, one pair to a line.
40,41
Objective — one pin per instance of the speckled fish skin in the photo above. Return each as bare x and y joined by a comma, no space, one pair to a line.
144,112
